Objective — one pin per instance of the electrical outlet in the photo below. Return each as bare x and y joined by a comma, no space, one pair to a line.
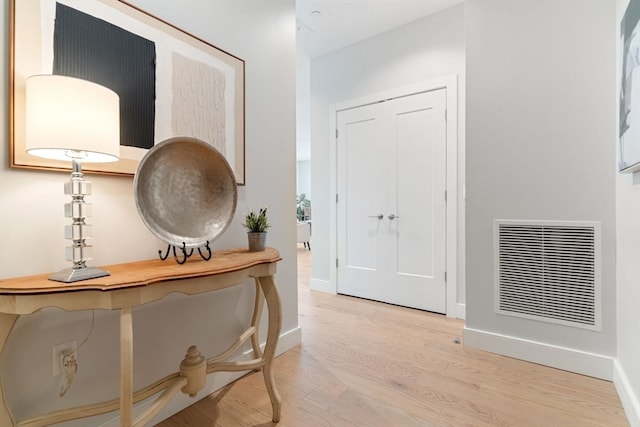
59,352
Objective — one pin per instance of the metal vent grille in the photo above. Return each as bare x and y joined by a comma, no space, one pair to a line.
549,271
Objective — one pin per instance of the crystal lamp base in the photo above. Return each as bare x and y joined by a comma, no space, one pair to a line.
69,275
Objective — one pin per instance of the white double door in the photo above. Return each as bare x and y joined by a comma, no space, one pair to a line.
391,211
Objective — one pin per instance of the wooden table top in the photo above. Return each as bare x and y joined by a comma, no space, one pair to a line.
142,273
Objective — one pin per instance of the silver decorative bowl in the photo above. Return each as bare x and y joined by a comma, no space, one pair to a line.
185,192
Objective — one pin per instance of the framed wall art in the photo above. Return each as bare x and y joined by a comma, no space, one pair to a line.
629,123
170,83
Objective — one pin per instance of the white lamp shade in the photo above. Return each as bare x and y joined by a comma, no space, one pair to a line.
71,118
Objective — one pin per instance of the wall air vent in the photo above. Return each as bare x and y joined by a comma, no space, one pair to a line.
548,271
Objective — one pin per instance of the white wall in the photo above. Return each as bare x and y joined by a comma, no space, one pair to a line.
427,49
303,103
304,178
303,121
32,221
627,373
540,120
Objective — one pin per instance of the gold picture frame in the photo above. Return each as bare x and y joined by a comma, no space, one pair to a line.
196,89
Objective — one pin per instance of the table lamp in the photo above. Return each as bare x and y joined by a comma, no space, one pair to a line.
72,119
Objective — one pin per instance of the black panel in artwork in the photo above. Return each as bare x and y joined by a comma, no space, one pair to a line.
92,49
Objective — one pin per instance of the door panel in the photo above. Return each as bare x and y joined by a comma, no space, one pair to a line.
358,244
420,182
361,194
414,207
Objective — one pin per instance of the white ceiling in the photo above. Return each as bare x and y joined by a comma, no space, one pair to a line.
339,23
328,25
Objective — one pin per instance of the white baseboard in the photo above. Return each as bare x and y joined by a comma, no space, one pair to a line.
461,311
627,396
322,286
568,359
287,341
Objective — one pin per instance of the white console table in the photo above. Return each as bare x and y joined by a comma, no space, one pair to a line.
133,284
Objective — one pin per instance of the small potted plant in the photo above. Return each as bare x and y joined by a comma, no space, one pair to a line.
256,225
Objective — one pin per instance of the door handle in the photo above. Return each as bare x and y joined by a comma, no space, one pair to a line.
379,216
392,217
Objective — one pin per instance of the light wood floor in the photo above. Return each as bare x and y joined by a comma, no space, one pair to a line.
369,364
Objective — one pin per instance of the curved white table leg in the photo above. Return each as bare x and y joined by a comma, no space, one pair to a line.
6,326
126,367
272,297
255,320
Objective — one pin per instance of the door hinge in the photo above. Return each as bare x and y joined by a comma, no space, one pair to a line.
445,115
336,134
445,276
445,195
336,262
336,197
